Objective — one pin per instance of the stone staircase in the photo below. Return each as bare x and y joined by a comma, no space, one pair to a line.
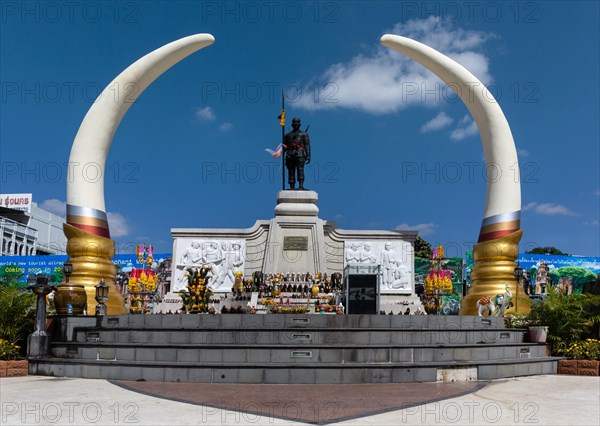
290,349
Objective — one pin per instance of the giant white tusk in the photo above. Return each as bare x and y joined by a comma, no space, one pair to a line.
85,183
503,199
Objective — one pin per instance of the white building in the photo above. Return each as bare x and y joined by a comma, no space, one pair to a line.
29,230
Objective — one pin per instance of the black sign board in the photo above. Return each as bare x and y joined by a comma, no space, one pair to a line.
362,294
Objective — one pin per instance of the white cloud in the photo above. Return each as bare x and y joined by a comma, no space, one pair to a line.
205,114
117,224
436,123
523,153
467,127
382,81
423,228
597,192
591,222
549,209
55,206
225,127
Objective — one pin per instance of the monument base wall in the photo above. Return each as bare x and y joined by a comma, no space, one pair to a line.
295,241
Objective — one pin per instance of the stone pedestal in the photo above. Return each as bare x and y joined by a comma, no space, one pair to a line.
296,238
38,344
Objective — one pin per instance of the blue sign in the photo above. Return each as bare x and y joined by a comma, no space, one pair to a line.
27,265
528,261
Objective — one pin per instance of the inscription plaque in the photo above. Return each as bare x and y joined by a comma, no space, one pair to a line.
295,243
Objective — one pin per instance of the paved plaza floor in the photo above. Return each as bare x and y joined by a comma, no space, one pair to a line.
542,400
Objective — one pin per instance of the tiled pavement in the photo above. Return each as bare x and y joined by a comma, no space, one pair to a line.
544,400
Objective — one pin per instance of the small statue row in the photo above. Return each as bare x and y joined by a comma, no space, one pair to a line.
295,277
286,283
419,311
290,282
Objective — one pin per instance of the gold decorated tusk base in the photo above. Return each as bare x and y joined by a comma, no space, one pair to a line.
91,256
493,270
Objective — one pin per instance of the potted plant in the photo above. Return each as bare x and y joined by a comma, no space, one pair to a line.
538,333
197,296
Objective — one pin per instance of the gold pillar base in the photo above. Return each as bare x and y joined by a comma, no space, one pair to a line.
91,256
493,271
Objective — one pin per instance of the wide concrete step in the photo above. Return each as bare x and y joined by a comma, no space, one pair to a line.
309,353
290,349
292,373
192,321
261,336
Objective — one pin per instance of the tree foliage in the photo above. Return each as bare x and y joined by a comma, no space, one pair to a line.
17,313
422,248
547,250
570,318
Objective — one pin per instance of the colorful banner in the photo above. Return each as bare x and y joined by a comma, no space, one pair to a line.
453,264
449,304
554,262
22,266
569,273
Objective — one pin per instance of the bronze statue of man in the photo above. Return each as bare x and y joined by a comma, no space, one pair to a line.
296,145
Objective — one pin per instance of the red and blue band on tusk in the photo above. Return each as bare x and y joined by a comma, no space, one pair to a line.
499,225
88,219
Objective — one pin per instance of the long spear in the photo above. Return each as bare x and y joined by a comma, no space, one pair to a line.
282,124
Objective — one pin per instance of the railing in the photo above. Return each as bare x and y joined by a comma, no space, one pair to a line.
14,236
17,227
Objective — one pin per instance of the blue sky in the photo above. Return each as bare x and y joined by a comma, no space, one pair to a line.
386,154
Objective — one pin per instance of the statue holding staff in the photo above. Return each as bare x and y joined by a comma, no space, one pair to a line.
296,145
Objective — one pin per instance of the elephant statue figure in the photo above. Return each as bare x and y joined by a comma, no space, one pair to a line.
485,304
503,302
451,307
